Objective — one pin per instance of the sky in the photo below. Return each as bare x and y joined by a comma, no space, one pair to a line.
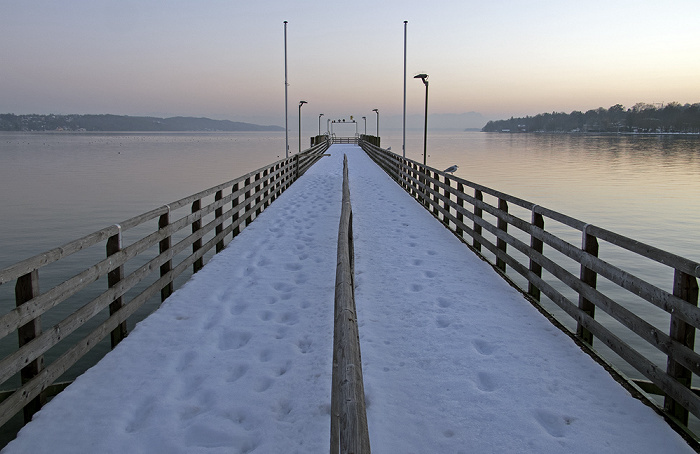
225,60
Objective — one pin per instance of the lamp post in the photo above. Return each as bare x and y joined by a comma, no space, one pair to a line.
319,123
424,77
301,103
286,86
377,111
365,118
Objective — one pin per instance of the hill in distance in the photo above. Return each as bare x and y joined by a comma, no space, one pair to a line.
122,123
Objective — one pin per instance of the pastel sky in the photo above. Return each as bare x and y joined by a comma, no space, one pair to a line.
225,59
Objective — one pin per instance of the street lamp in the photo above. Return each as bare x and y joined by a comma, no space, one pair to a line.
319,123
424,77
365,118
377,111
301,103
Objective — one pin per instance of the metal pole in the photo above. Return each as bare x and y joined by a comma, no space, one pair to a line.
425,130
301,103
403,147
286,120
377,112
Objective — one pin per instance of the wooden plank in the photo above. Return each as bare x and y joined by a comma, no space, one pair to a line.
24,267
658,255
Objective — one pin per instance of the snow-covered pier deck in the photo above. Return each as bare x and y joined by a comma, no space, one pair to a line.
240,358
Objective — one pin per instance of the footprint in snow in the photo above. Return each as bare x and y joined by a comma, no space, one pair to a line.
484,347
234,340
486,382
555,424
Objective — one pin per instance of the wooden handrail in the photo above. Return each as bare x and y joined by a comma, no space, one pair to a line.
444,196
349,432
214,218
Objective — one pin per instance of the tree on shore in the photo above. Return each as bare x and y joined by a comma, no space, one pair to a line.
641,118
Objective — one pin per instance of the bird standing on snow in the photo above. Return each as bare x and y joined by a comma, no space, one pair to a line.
451,169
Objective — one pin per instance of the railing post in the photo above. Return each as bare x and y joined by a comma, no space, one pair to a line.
538,246
589,244
478,212
114,245
266,185
296,167
27,288
435,177
685,287
502,226
423,186
460,216
219,213
416,180
446,205
246,212
197,245
274,183
163,246
234,207
258,187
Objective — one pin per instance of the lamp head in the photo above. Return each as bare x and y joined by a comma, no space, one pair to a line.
423,77
301,103
375,110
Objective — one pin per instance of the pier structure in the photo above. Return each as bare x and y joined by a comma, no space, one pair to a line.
426,349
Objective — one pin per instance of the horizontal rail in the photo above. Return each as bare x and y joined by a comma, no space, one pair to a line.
461,206
345,140
210,219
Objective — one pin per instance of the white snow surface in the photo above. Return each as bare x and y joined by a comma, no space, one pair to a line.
239,359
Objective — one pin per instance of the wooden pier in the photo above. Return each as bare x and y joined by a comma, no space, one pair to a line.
510,233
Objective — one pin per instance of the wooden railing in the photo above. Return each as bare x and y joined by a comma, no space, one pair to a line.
349,433
348,140
485,225
214,215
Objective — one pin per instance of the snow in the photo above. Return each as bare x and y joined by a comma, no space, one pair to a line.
239,359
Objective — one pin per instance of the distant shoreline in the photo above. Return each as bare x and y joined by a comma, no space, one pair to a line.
122,123
596,133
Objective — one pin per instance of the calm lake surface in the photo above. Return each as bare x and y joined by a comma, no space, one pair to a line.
57,187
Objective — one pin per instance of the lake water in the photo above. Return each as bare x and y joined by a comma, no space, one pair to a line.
56,187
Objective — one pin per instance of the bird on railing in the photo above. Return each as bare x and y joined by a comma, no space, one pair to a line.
451,169
388,149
